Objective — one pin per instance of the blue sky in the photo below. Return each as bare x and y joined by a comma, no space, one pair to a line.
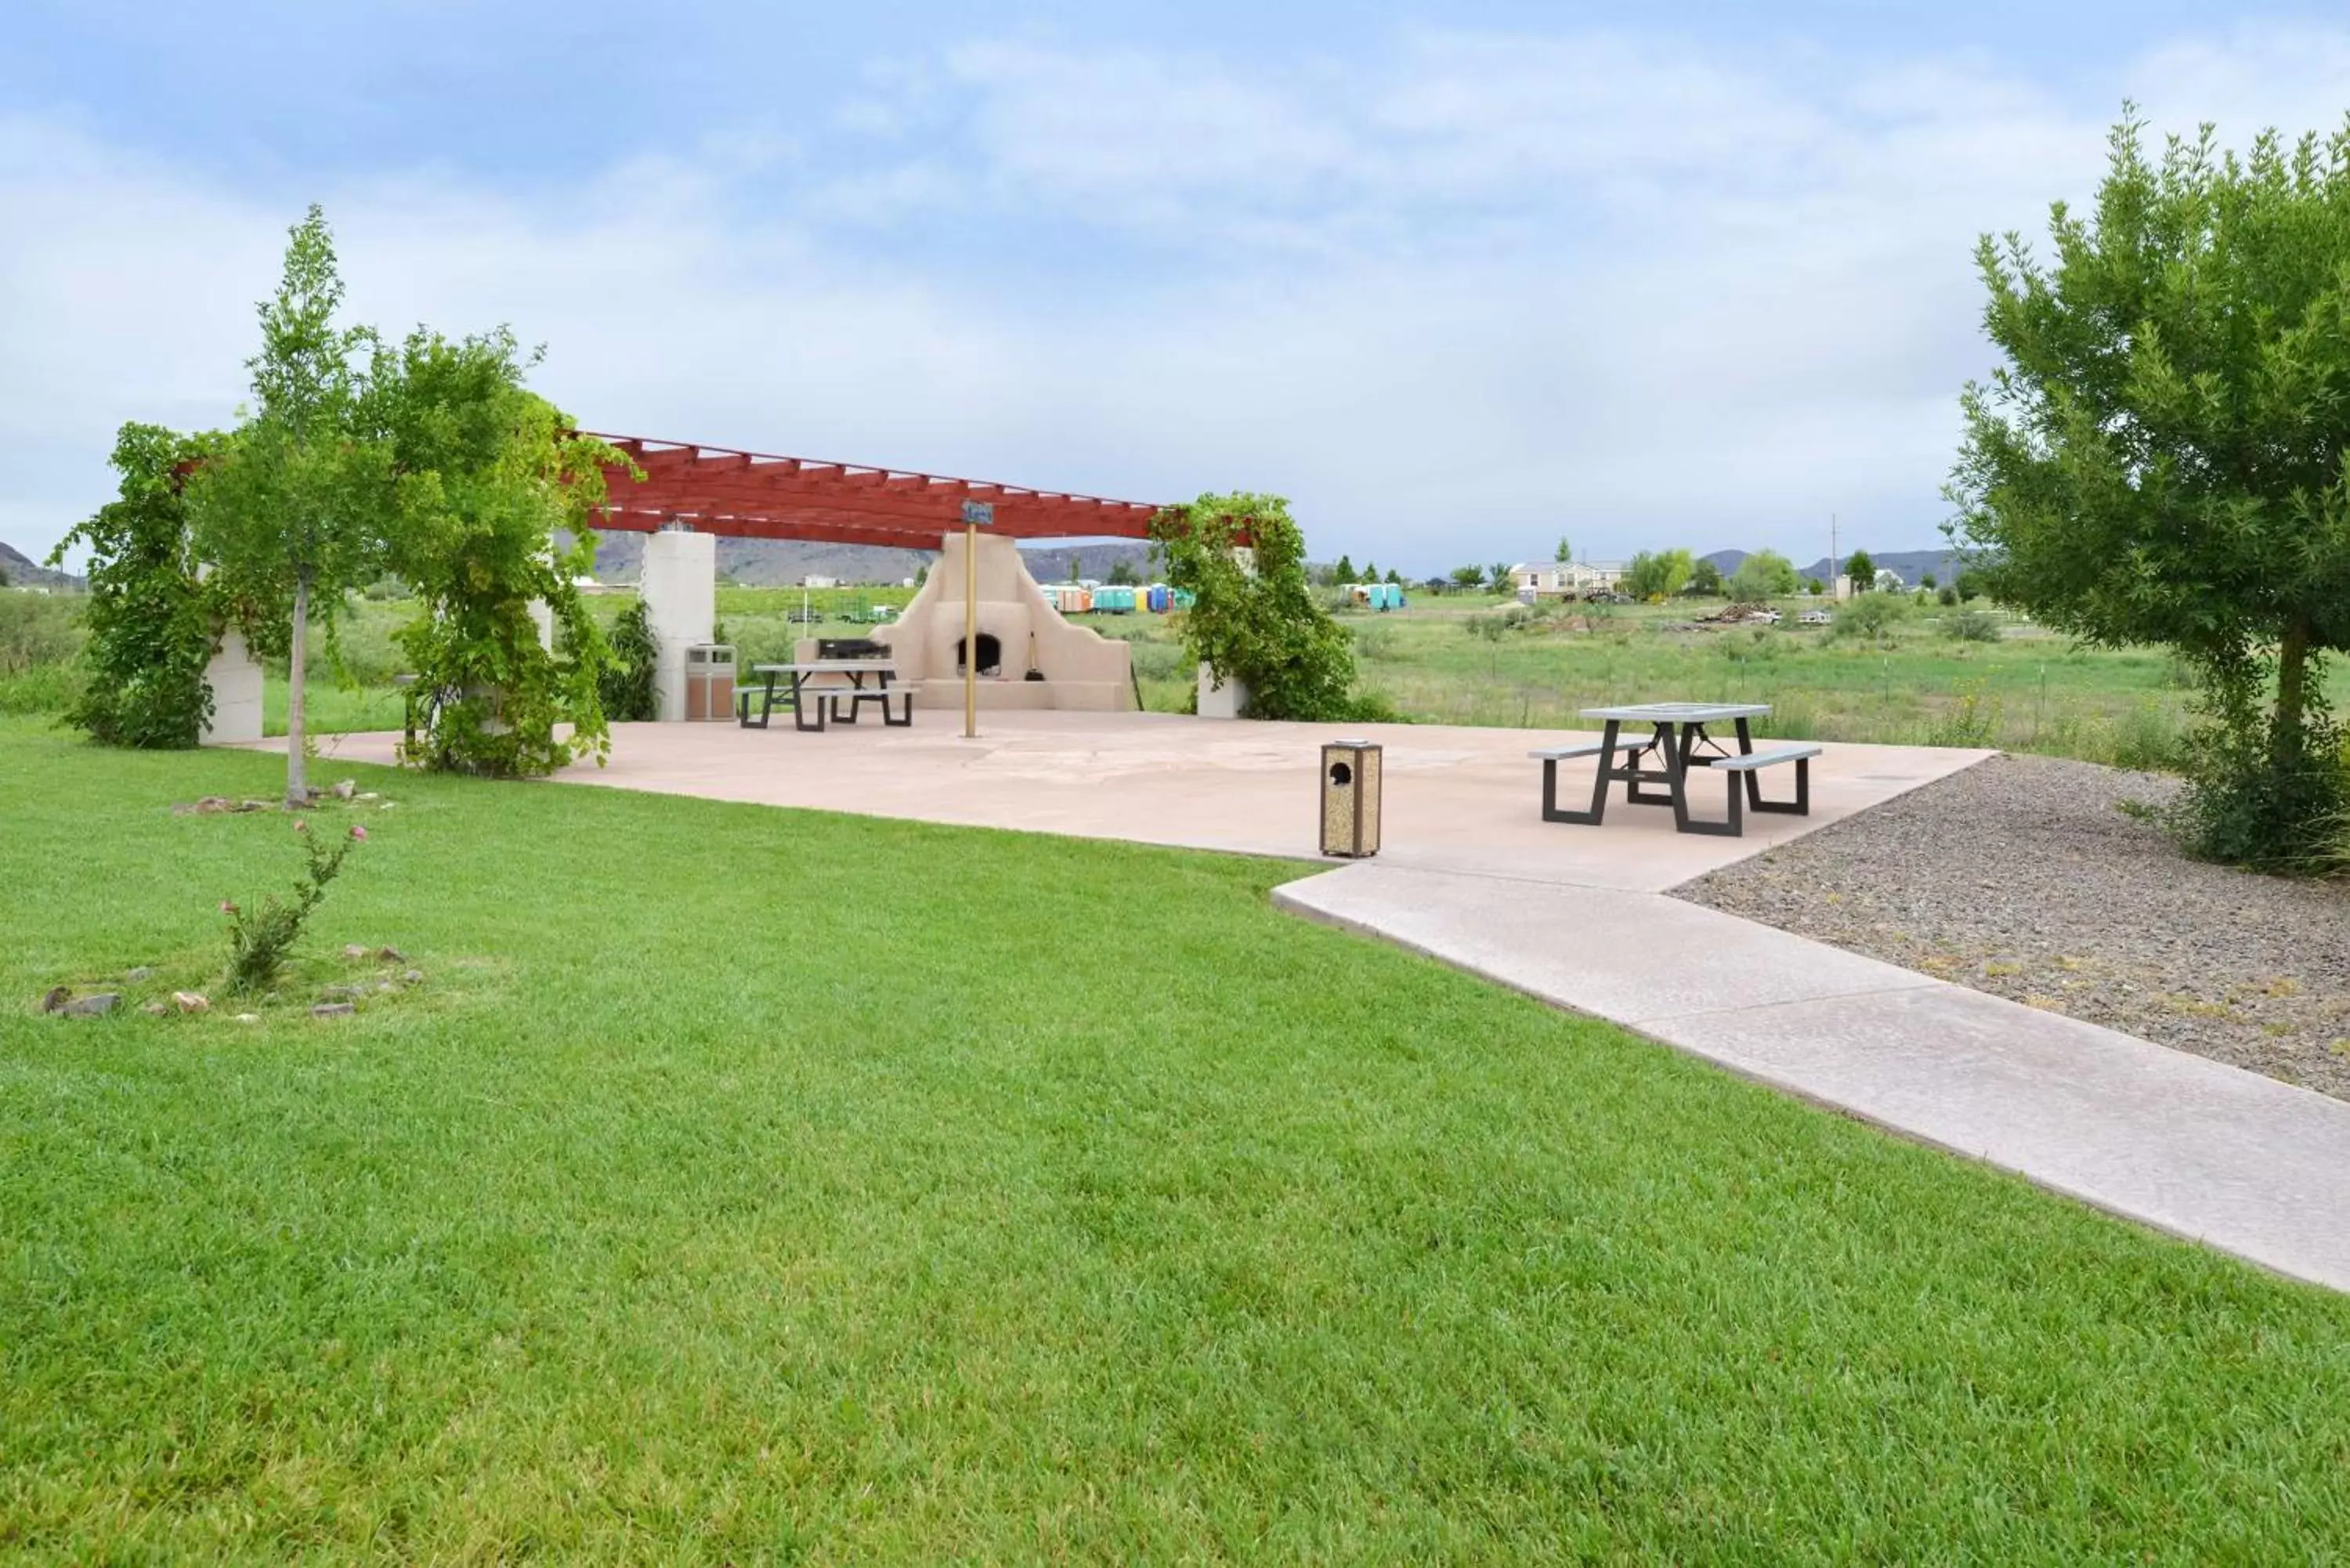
1456,279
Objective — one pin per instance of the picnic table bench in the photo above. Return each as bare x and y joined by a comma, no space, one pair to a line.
828,682
1677,743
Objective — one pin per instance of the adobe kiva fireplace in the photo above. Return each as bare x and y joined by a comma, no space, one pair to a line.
1019,632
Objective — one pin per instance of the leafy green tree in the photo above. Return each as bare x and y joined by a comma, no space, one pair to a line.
1565,551
488,476
289,511
1343,572
2164,459
152,624
1121,573
1259,623
626,688
1927,582
1970,584
1705,577
1659,574
1395,576
1466,578
1497,576
1764,574
1862,570
1371,572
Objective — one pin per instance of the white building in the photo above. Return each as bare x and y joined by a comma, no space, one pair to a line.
1565,579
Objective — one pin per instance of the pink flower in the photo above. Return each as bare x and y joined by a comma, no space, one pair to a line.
227,908
358,833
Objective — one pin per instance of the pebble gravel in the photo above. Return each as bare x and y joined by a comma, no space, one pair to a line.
2044,881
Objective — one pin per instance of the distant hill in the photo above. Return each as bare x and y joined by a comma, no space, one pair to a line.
1912,565
24,572
782,563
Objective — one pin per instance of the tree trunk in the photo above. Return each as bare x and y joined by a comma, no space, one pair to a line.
298,789
2292,687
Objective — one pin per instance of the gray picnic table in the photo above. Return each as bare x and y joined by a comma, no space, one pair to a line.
830,683
1678,743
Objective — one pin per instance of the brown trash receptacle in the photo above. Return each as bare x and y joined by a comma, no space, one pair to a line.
1350,799
709,681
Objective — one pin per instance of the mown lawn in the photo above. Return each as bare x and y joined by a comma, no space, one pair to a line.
751,1184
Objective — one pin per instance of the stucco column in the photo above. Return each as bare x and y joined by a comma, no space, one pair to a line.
680,585
234,678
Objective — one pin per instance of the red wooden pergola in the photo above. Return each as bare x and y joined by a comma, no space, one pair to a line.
759,495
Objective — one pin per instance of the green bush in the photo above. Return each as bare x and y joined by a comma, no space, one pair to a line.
1258,624
1971,625
1870,616
627,680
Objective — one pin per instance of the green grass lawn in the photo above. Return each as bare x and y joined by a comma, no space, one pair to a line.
744,1184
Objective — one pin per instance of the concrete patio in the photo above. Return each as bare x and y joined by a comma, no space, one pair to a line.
1457,799
1576,915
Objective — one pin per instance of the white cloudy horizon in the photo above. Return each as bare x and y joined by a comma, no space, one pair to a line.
1455,293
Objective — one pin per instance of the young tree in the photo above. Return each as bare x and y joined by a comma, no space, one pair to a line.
1862,571
1565,552
1497,576
1764,574
1466,579
1705,577
289,511
1371,572
2165,457
1122,572
1395,576
1927,582
1343,572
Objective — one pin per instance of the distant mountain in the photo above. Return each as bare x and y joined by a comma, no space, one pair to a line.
1912,565
782,563
24,572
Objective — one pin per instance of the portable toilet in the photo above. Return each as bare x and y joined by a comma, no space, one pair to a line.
1160,600
1114,600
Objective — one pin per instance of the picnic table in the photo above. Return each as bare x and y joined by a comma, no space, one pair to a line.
830,681
1678,742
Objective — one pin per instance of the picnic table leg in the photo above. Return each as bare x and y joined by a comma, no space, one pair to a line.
1659,744
904,724
1753,784
800,693
1551,811
1678,763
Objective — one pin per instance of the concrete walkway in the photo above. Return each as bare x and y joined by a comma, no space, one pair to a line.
2206,1151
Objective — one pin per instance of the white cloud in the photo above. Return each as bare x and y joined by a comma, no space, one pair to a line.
1454,297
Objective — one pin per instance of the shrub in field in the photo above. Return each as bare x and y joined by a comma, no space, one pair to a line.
1971,625
37,630
1870,618
1972,722
259,940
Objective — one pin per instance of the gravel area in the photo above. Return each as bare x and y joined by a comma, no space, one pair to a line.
2027,876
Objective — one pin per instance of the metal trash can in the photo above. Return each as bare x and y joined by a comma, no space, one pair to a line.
1350,799
709,681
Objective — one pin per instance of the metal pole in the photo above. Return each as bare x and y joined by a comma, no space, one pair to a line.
971,631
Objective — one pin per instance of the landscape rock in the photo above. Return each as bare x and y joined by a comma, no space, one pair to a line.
367,794
249,1018
340,992
414,977
97,1007
56,998
190,1001
142,972
154,1010
389,955
354,951
346,788
332,1010
385,985
256,805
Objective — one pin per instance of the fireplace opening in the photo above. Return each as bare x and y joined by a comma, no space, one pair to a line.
991,655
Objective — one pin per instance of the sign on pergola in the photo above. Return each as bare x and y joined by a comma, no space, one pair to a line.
759,495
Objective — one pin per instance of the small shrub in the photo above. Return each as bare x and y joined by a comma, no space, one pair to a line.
1376,642
258,942
1972,722
1870,618
626,681
1971,625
